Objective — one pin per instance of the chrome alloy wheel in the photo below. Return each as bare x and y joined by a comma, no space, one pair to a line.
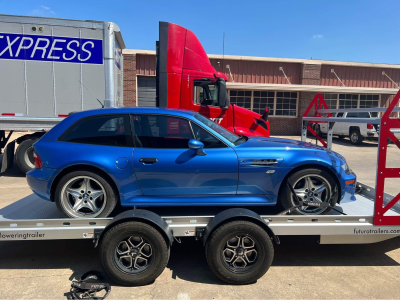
240,254
83,196
314,188
354,137
133,254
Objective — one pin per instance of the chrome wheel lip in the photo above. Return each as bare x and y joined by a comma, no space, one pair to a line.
313,210
240,253
27,159
135,254
65,203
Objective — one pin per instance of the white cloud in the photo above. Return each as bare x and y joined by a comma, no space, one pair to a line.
318,36
42,11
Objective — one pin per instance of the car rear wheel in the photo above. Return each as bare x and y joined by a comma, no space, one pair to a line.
84,194
313,185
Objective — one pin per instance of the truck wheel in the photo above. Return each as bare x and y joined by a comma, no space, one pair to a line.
355,137
24,155
312,185
84,194
239,252
134,253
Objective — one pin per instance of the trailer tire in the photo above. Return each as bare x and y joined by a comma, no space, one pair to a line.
245,266
24,155
323,177
73,180
143,271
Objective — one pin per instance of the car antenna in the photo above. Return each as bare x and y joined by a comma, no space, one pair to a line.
102,105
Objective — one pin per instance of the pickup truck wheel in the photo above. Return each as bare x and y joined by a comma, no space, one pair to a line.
24,155
134,253
239,252
355,137
312,185
84,194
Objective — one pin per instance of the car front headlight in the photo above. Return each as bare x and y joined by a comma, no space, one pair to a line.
346,168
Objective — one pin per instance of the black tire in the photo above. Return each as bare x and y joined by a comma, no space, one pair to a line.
355,137
159,257
286,198
111,195
218,241
24,155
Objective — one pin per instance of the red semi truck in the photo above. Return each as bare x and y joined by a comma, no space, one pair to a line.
186,79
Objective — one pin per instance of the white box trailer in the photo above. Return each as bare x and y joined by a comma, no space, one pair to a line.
50,68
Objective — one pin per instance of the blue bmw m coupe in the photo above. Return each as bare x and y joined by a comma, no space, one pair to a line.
93,160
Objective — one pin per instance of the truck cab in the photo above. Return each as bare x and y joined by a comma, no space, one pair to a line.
187,80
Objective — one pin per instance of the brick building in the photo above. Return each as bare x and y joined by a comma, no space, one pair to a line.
287,86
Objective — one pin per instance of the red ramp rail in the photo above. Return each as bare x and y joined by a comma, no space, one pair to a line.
385,134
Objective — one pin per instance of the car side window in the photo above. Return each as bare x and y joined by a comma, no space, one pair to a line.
105,130
159,131
339,115
206,138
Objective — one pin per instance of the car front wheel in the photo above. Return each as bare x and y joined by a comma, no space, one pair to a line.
85,194
313,185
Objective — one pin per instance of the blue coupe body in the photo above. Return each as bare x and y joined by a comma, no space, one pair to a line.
144,152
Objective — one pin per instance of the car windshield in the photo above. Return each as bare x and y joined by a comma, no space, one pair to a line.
217,128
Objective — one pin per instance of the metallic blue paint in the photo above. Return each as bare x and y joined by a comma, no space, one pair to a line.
225,176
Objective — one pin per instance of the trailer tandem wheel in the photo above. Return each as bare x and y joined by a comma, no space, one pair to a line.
134,253
239,252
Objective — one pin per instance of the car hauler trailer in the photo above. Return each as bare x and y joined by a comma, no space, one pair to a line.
50,68
53,67
134,245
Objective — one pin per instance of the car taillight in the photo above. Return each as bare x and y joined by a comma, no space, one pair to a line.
370,126
37,161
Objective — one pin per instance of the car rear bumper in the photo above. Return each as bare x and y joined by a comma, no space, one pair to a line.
39,181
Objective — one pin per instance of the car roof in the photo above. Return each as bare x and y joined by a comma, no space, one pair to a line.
132,110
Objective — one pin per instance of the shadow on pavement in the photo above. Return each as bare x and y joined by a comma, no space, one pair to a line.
14,171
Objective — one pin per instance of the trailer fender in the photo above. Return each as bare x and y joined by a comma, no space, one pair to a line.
235,214
141,215
8,157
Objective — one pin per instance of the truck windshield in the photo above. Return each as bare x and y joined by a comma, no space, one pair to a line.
217,128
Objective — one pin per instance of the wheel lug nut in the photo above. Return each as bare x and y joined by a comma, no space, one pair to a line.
89,192
82,191
91,198
306,190
79,197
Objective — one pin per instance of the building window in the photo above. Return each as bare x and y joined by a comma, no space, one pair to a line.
241,98
279,103
263,99
352,101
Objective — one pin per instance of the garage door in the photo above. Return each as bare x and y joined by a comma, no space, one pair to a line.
146,90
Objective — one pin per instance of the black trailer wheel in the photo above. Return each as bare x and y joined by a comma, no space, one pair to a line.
134,253
24,155
239,252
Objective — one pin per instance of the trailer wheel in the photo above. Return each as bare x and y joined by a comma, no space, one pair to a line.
134,253
239,252
24,155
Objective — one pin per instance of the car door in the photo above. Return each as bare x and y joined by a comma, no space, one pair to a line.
164,164
337,128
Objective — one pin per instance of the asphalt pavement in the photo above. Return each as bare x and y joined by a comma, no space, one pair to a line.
302,268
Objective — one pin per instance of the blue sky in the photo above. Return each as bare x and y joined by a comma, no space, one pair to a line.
363,31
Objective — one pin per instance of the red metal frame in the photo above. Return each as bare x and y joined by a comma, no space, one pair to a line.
387,123
318,101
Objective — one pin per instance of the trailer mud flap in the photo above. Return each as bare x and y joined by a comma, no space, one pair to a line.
8,157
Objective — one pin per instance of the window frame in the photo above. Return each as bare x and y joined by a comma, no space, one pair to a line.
59,139
275,102
174,116
358,99
194,93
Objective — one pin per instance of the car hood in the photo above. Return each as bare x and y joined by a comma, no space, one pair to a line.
269,142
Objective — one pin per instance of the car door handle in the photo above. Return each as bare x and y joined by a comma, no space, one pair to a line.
148,160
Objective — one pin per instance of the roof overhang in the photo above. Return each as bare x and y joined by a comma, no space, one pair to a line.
309,88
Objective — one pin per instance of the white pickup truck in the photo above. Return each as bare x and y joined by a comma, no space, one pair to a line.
357,132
